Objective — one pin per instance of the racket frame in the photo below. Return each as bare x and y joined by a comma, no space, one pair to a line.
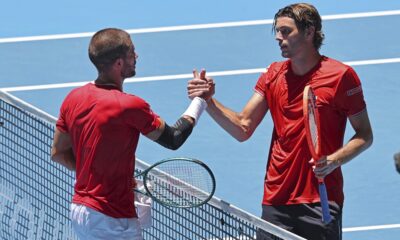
144,175
310,104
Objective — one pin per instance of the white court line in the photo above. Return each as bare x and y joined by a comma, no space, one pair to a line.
196,26
369,228
183,76
352,229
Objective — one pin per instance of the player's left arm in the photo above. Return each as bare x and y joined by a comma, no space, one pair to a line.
361,140
61,150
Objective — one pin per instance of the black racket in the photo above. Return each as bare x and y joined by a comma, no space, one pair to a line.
178,182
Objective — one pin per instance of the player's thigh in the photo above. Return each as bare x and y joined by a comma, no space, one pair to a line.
311,226
89,224
304,220
280,216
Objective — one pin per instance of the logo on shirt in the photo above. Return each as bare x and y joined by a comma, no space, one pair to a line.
353,91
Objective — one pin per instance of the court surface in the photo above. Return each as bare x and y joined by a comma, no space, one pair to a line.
43,56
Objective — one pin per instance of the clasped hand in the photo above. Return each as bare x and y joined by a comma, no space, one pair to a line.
201,86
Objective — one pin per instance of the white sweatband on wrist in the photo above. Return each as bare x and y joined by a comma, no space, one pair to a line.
196,108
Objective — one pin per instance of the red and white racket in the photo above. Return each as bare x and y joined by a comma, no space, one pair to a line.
312,126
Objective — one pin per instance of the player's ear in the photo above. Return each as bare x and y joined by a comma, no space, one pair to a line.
310,32
118,62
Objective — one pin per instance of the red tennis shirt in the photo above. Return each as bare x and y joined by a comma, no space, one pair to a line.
104,124
289,177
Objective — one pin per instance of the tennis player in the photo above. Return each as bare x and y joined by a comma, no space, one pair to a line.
291,198
97,133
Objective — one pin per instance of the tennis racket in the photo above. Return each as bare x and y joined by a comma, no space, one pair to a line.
312,126
178,182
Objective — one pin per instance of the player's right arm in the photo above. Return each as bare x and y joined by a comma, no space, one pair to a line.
172,137
61,150
240,125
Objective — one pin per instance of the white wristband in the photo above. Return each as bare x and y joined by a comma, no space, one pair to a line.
196,108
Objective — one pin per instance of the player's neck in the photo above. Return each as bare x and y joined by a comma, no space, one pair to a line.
106,80
303,64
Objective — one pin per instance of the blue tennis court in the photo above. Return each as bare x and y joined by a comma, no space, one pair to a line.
43,50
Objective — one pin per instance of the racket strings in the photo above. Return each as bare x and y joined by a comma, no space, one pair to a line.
180,183
312,122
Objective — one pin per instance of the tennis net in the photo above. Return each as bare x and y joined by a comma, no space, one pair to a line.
35,192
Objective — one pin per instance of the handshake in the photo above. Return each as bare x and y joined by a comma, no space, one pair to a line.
201,86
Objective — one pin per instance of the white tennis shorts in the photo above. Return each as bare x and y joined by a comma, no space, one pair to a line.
90,224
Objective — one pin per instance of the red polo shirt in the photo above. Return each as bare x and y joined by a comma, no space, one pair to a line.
104,124
289,178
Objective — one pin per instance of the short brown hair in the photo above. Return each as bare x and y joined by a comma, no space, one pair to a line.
108,45
305,15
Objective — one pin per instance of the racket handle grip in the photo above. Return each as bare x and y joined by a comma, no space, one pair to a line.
326,216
